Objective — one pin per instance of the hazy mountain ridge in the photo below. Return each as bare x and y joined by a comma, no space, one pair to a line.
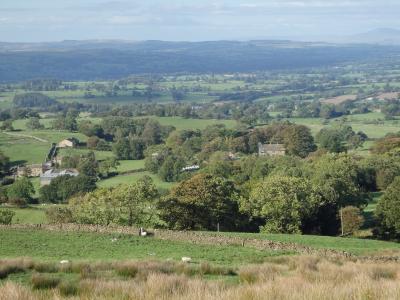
89,60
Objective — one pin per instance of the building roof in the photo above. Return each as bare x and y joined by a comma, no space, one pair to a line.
273,147
32,166
56,173
71,139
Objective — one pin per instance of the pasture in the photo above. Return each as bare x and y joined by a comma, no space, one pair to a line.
34,214
55,246
181,123
130,178
373,124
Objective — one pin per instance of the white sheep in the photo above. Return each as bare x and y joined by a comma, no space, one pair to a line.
63,262
186,259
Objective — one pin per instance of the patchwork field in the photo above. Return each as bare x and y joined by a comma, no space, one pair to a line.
182,123
340,99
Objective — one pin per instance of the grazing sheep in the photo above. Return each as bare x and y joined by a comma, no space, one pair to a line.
63,262
142,232
186,259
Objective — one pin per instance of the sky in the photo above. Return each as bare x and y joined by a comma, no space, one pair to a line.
190,20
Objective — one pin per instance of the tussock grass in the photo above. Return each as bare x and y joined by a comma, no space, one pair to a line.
296,277
68,288
13,266
44,281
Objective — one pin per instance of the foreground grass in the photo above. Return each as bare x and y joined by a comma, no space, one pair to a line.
303,277
47,245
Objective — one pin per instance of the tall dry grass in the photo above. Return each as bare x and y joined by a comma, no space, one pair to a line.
304,277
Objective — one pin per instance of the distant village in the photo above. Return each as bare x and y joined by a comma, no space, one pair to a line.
49,170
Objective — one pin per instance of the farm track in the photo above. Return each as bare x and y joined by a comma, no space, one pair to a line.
209,238
27,136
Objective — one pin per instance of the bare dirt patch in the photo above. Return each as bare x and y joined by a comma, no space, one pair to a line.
340,99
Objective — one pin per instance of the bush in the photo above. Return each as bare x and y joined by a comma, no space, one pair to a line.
207,269
8,269
45,267
127,270
6,216
40,281
21,189
352,220
383,273
68,288
59,215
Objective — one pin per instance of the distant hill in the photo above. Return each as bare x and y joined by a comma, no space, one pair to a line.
90,60
383,36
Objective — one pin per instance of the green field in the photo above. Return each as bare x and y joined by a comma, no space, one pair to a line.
126,179
352,245
182,123
22,147
363,122
30,215
47,245
130,165
100,155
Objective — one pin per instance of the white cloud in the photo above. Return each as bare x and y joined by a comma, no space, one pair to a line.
130,20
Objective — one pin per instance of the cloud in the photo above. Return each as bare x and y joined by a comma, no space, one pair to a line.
130,20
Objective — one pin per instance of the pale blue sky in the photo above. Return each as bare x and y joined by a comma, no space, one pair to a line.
55,20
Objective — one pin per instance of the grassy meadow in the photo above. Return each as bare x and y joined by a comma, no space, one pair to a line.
117,266
33,214
55,246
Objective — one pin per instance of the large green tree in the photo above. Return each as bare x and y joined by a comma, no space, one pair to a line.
22,190
201,203
299,141
131,204
283,202
388,212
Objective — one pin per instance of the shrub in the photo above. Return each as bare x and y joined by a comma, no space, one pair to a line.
127,270
6,216
45,267
40,281
207,269
87,272
352,220
59,215
383,273
8,269
68,288
21,189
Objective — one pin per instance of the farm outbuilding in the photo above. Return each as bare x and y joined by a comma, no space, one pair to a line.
271,149
48,176
68,143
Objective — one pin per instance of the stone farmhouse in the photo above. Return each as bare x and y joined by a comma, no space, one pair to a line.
34,170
